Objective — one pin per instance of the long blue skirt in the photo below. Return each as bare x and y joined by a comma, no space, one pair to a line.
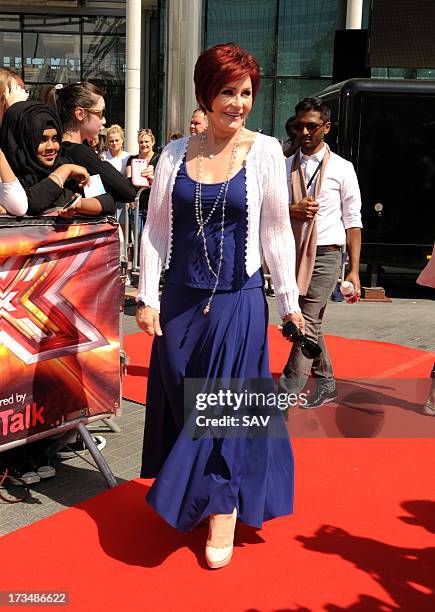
199,477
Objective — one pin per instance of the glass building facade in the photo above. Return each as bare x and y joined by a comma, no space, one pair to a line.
46,49
74,40
78,40
292,40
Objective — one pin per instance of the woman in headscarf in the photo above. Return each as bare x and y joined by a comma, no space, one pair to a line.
31,136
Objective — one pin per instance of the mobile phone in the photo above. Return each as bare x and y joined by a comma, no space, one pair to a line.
76,198
137,165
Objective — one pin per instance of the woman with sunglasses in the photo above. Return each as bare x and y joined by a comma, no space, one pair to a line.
81,108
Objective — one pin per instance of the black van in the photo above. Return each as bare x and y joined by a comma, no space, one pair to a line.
387,129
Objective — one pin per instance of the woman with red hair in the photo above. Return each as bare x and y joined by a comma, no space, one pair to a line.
219,201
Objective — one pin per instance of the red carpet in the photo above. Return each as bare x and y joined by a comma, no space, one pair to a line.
362,539
351,358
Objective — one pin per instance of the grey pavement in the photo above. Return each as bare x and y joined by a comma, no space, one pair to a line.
409,322
405,321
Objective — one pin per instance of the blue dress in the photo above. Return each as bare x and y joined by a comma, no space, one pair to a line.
199,476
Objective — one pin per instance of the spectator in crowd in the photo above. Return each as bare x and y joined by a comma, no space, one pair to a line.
219,200
97,144
31,136
146,141
175,136
325,211
81,108
13,199
292,144
114,152
117,157
198,122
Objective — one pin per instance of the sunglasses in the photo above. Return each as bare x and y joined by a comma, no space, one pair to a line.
309,349
311,127
99,112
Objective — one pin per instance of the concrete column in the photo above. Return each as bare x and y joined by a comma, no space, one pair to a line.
132,75
354,14
184,47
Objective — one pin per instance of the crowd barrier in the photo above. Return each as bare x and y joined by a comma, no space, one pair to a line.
130,243
61,297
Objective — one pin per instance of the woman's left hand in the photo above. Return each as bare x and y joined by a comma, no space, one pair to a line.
297,318
3,210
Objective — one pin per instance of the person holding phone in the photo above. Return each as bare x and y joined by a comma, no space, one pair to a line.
140,169
31,140
81,108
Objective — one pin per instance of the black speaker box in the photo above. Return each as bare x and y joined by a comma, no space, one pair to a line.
350,55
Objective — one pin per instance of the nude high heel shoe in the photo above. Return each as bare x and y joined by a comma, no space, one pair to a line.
219,546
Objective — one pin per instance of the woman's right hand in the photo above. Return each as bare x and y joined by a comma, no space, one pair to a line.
14,93
148,173
148,319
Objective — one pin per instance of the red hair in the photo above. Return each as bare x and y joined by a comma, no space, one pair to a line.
223,64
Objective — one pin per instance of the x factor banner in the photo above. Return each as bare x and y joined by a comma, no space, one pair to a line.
60,302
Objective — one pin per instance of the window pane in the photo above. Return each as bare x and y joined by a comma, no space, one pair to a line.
426,74
261,115
114,97
59,23
104,25
394,73
306,37
10,44
51,58
104,58
249,24
288,93
9,22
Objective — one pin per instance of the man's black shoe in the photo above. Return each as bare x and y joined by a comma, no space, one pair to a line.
323,395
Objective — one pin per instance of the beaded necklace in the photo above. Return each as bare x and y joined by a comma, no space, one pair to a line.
199,215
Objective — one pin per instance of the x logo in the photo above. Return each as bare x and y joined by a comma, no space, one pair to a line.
5,301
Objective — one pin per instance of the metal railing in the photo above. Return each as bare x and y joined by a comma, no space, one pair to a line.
131,239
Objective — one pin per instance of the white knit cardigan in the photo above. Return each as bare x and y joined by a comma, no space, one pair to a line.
269,231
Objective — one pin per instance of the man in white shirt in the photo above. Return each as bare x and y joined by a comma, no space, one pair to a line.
328,217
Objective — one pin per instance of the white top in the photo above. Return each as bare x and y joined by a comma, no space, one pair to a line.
269,230
119,162
339,198
13,198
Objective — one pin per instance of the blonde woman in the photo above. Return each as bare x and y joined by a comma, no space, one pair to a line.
146,141
117,157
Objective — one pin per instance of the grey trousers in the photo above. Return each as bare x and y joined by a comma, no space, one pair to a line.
294,377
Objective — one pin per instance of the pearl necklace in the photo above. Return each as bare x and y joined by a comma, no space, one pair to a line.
199,214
